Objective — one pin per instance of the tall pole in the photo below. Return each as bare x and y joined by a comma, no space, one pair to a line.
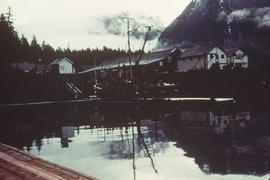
95,64
142,51
129,51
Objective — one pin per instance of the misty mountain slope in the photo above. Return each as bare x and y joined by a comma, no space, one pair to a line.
245,23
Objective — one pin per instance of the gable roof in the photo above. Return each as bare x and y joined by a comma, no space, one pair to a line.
57,61
232,51
155,56
198,51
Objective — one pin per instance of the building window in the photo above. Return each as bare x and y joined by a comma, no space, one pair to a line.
211,56
160,63
169,59
62,68
217,57
239,56
238,65
222,56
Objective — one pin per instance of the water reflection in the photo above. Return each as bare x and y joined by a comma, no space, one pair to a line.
146,141
67,132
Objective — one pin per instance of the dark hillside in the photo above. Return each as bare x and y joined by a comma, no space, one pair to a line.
244,23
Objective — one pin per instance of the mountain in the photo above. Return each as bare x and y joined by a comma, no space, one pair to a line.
242,23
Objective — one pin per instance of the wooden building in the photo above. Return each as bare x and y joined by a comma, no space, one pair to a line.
157,61
237,58
63,66
202,58
28,67
160,61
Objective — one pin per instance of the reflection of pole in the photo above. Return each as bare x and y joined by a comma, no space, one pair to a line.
104,134
156,131
95,64
128,140
145,146
133,152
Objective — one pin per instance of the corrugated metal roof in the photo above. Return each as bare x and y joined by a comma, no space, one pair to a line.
86,66
197,51
155,56
147,58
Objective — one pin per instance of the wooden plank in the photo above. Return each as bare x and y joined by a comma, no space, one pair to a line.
18,164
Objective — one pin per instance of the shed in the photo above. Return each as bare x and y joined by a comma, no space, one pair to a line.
63,66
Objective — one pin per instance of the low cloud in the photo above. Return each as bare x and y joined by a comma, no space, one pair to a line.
259,16
117,25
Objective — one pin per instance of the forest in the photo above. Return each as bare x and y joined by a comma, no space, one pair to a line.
17,48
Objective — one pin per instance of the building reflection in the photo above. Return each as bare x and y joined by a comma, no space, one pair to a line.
221,141
67,132
226,143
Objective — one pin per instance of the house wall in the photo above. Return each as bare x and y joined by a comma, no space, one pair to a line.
239,59
66,67
216,55
168,64
185,64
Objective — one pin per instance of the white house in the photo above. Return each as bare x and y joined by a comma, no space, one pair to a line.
237,58
202,58
63,66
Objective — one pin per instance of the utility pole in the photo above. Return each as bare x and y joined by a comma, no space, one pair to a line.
129,50
95,64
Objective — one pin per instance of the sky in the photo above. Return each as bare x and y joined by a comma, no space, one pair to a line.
84,24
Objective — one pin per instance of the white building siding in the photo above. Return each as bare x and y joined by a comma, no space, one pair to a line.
216,55
66,67
200,63
240,59
190,63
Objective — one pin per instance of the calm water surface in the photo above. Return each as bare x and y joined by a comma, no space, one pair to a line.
145,142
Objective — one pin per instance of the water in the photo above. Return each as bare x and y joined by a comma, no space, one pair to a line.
144,142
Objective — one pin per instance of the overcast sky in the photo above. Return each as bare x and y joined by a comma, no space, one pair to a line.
90,23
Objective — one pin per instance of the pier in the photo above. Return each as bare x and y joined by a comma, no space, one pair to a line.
18,164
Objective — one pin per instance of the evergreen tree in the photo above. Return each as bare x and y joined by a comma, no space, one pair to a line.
9,40
18,49
36,50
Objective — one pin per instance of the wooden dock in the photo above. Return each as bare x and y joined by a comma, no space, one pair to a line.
16,164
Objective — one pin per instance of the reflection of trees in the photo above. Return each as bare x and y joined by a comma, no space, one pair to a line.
220,141
143,141
33,123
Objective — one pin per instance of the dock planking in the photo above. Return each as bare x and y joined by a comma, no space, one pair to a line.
18,164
